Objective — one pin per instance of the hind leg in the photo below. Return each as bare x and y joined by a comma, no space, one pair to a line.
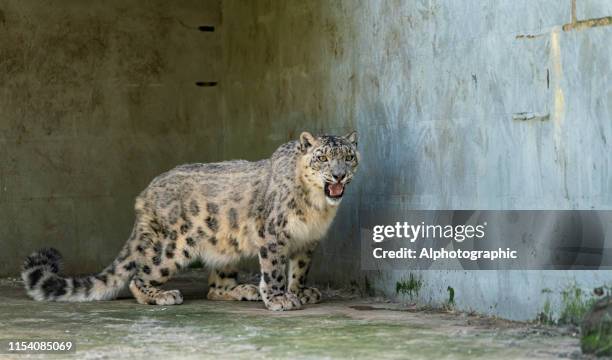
144,287
159,259
223,285
144,284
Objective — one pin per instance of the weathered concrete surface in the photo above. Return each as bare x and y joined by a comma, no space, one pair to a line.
334,329
95,100
460,105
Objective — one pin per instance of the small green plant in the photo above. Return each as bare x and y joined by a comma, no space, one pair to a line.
598,343
575,305
411,287
546,316
451,297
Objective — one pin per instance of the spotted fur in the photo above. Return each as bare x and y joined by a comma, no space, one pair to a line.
275,209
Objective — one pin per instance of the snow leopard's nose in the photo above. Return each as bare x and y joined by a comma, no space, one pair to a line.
338,176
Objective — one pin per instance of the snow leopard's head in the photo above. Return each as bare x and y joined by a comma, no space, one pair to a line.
331,161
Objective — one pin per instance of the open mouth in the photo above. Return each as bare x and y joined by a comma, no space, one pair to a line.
334,190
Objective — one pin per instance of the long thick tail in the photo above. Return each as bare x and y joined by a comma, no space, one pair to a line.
42,277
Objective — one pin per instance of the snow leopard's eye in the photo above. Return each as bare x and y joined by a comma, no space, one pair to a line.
322,158
349,158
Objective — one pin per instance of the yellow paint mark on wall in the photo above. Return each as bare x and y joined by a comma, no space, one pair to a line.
585,24
557,74
574,25
558,111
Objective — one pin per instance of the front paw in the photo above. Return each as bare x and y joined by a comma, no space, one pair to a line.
283,302
308,295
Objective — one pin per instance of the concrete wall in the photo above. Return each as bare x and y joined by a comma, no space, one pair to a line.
96,98
460,105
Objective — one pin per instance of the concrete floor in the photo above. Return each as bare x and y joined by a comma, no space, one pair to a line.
337,328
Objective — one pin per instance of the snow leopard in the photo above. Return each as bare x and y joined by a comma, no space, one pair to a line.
277,209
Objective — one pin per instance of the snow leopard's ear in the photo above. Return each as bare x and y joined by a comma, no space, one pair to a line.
307,141
352,137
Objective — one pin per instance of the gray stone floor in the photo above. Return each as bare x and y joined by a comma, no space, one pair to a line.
337,328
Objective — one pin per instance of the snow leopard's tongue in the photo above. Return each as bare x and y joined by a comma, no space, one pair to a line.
336,189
